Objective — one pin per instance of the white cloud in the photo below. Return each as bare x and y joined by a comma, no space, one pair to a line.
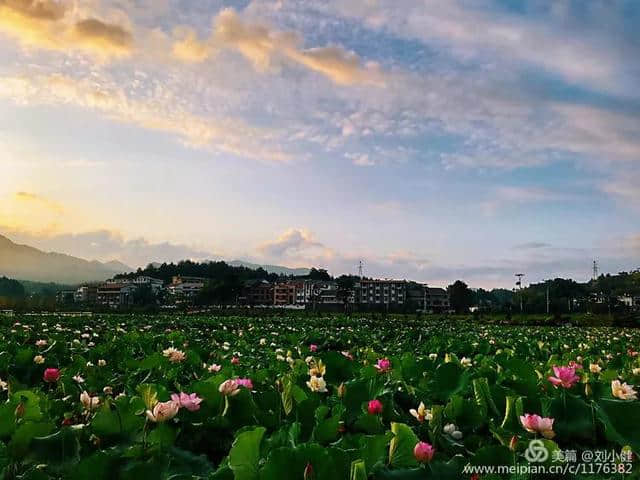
538,260
624,187
264,47
294,244
221,134
47,203
53,25
504,196
360,159
473,34
106,245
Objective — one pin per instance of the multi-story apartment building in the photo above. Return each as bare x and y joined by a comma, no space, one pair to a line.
257,292
327,292
284,294
416,295
436,300
630,301
155,283
115,295
86,294
316,291
626,300
381,292
183,286
65,297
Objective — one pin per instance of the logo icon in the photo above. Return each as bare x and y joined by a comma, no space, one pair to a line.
536,452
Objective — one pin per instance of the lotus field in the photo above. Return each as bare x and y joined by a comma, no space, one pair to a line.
325,398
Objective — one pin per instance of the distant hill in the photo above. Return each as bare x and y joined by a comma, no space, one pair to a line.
277,269
27,263
115,265
44,288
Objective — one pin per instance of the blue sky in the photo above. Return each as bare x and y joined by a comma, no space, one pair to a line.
433,140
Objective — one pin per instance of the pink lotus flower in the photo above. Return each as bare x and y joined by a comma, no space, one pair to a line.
174,355
565,377
51,375
235,360
245,382
190,401
88,402
347,354
537,424
383,365
313,347
623,391
575,365
163,411
374,407
229,388
423,452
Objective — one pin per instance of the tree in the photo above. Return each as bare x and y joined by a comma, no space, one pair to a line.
460,296
144,296
345,284
318,274
11,288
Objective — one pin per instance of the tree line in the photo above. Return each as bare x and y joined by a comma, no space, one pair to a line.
225,282
557,296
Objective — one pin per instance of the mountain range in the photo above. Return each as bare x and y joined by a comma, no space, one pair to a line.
277,269
23,262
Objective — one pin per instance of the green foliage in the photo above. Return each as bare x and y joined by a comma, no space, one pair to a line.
245,454
460,296
621,420
475,380
11,288
449,379
401,446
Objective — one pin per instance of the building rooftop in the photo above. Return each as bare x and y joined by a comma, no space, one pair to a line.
437,291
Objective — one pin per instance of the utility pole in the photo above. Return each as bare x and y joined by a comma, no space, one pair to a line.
358,292
425,288
519,284
547,299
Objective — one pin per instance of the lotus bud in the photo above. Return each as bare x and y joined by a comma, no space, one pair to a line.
587,390
308,472
19,412
95,440
423,452
374,407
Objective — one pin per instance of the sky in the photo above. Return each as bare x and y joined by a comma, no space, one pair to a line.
432,140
